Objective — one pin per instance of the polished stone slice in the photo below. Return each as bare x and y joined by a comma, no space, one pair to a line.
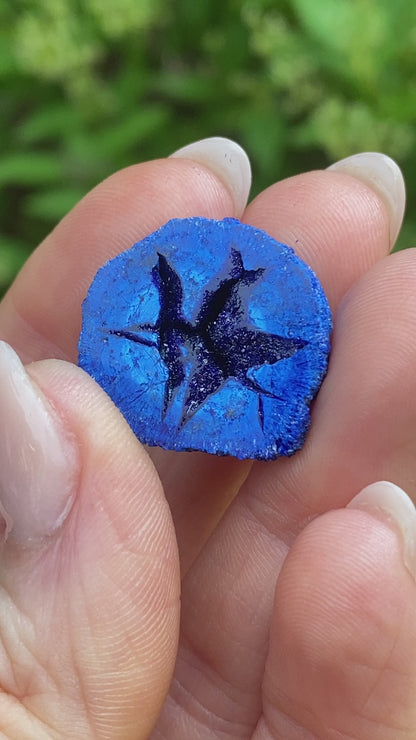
209,335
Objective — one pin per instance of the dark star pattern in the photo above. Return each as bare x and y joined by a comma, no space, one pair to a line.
220,342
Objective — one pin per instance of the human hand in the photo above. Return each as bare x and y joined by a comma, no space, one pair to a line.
298,609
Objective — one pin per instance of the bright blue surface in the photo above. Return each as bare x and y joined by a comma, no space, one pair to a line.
171,327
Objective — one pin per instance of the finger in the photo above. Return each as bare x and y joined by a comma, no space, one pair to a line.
340,221
41,315
342,656
340,225
364,428
89,603
117,213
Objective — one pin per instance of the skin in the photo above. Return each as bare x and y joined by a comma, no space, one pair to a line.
297,615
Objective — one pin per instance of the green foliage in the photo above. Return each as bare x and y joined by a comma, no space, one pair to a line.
89,86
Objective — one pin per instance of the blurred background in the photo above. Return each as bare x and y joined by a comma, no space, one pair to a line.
89,86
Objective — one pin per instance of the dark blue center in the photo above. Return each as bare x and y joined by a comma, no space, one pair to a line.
221,344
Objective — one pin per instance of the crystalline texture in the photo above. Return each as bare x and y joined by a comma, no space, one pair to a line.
209,335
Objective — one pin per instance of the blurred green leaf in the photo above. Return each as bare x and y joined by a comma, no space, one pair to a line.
51,40
124,17
331,24
13,254
31,168
187,87
120,136
343,129
54,121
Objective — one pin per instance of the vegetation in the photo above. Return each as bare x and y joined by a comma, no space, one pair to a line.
88,86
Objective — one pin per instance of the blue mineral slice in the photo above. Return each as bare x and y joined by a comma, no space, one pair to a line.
209,335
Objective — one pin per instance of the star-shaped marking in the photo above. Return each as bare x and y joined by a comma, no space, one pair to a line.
221,343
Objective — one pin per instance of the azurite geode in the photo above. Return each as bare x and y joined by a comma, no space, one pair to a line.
209,335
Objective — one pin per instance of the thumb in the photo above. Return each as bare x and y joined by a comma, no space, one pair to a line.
342,659
89,574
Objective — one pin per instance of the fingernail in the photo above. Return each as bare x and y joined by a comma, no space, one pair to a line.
227,160
390,503
384,176
38,458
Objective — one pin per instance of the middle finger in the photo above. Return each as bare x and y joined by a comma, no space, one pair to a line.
340,227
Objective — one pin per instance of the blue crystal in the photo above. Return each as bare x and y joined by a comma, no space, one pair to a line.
209,335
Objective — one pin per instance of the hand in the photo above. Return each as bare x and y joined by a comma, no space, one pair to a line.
298,609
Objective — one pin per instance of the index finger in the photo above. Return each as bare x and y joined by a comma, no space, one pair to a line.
41,314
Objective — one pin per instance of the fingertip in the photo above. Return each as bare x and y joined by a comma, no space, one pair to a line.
384,176
227,160
336,224
120,211
119,494
91,416
389,503
343,647
39,457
